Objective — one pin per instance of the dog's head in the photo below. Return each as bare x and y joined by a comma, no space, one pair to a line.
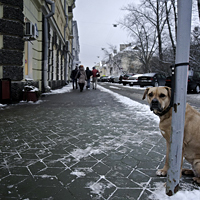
158,98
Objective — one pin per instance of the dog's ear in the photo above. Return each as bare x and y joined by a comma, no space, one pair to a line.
169,91
145,93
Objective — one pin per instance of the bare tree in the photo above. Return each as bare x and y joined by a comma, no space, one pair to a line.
195,49
198,5
156,15
168,9
143,34
162,17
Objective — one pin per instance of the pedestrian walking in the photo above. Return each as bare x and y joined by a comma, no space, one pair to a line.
95,74
73,77
88,74
81,75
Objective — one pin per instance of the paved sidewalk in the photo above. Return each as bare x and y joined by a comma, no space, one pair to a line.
79,146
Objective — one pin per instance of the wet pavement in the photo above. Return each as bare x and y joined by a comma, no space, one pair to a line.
79,145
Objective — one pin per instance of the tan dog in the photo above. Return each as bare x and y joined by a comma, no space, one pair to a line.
159,101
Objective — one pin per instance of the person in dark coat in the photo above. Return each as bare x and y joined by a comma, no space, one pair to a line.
81,75
73,77
88,74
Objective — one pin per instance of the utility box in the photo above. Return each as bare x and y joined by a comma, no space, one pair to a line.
5,90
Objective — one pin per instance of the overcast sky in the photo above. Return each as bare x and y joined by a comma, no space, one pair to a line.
95,20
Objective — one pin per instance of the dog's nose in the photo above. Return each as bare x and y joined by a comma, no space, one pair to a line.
154,103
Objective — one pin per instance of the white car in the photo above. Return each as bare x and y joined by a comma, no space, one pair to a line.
132,80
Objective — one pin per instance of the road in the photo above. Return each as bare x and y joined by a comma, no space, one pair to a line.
136,93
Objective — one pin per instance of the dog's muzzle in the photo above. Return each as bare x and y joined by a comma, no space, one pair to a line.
155,105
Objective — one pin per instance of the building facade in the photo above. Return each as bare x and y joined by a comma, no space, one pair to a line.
36,43
124,61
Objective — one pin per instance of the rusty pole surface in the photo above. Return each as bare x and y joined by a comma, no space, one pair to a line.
180,92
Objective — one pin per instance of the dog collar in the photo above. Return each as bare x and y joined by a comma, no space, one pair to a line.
164,111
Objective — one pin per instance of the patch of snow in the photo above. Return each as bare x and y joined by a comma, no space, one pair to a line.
30,88
37,102
136,87
78,174
183,194
141,109
115,87
3,105
97,188
82,153
67,88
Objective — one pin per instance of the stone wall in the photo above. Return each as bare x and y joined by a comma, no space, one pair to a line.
12,47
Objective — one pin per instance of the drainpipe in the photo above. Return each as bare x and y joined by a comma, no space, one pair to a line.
72,66
66,18
45,69
65,50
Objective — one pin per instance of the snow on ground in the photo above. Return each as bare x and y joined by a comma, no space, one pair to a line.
64,89
3,105
183,194
142,110
160,188
67,88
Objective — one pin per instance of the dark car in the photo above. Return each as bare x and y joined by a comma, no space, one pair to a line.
152,79
193,83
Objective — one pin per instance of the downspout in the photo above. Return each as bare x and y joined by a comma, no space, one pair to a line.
66,18
65,50
72,66
45,69
66,43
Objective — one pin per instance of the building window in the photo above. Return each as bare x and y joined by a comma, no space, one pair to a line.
28,60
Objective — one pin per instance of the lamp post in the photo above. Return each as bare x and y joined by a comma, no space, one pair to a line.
180,91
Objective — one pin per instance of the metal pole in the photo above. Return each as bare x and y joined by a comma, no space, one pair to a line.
180,92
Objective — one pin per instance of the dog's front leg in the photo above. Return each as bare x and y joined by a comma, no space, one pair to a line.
196,168
163,171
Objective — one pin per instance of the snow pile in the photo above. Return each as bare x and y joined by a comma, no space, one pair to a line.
180,195
30,88
64,89
140,109
3,105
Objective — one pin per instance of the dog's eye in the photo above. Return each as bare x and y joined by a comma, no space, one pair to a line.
162,95
151,94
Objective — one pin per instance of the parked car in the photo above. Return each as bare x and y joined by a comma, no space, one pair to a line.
193,83
152,79
132,80
104,79
124,77
117,79
114,79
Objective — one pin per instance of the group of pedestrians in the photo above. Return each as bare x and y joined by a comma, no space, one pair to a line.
80,76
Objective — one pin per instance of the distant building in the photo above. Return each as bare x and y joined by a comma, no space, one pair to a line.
124,61
37,43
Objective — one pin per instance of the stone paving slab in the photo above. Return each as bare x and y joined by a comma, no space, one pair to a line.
79,146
